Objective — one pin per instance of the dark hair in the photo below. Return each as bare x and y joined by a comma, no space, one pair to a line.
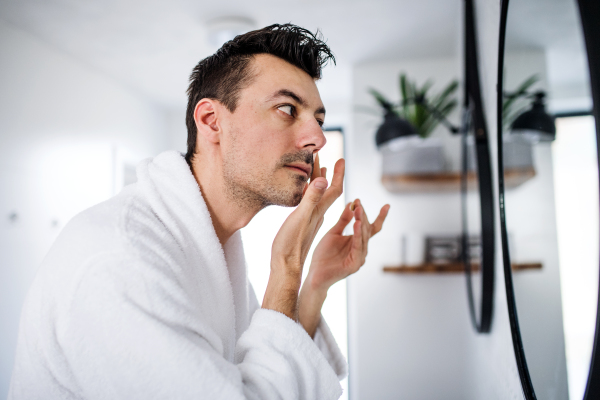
221,76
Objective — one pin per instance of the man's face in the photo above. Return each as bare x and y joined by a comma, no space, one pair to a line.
269,141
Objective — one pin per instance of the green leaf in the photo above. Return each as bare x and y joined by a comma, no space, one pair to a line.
419,115
443,97
527,83
381,99
425,88
515,103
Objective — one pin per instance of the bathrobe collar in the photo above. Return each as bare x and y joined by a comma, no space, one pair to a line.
167,183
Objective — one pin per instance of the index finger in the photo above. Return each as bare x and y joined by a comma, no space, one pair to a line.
378,223
336,188
316,172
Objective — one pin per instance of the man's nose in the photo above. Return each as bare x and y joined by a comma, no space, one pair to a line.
312,136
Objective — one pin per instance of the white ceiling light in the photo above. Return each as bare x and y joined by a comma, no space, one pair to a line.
221,30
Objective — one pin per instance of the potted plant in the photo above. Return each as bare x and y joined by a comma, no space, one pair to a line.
404,137
517,152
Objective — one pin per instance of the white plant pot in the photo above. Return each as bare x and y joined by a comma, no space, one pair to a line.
517,153
412,155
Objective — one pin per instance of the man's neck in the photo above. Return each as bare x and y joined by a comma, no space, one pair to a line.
228,216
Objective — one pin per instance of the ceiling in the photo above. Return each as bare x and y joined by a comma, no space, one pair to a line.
152,45
543,24
554,27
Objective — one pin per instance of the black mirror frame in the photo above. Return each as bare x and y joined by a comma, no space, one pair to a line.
589,11
474,118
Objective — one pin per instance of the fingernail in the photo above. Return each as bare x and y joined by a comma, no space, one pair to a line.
353,206
320,184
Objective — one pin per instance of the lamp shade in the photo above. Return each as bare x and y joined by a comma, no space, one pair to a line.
536,123
393,127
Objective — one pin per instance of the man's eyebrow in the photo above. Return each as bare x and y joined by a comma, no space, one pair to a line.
297,98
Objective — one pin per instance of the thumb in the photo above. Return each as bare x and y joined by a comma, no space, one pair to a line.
313,194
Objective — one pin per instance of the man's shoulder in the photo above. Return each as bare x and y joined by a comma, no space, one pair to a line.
123,222
122,227
97,228
118,240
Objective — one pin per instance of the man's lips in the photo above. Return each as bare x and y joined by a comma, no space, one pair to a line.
300,168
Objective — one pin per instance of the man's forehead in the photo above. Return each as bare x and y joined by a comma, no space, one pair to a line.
273,75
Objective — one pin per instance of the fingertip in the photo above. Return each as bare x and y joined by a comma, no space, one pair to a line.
320,183
358,208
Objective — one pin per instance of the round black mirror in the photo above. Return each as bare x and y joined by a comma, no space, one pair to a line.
476,187
549,192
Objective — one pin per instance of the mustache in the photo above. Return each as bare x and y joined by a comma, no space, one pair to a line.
302,156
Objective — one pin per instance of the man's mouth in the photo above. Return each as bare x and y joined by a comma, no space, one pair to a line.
302,168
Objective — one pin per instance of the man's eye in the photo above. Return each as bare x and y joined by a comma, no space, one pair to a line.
286,109
320,123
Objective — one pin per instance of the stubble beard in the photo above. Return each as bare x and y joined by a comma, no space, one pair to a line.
257,191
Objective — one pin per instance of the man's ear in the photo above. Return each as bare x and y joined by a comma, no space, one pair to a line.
206,115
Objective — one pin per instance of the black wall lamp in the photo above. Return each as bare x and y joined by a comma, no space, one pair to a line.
394,127
535,124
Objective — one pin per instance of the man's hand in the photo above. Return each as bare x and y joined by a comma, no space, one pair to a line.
293,241
336,257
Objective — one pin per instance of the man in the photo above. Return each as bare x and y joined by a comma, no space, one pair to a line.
146,295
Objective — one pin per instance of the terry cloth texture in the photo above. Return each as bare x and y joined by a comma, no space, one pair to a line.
137,299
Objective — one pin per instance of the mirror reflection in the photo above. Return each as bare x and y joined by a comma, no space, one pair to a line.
471,214
551,192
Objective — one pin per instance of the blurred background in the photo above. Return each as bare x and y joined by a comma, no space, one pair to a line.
88,88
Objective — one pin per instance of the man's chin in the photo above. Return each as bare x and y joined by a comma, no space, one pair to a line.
289,201
297,196
288,198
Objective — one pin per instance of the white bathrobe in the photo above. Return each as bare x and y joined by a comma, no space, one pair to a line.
137,299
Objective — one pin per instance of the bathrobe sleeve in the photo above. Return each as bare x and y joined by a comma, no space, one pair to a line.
323,339
121,343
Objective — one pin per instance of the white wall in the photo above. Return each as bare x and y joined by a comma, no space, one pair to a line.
177,131
531,219
64,129
531,222
575,162
408,334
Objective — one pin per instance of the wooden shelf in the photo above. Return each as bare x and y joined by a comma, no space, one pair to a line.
426,269
516,177
525,266
448,181
449,268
